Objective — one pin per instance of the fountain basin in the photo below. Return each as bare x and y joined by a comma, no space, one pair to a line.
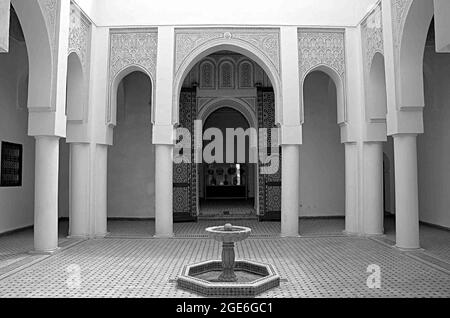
254,278
229,233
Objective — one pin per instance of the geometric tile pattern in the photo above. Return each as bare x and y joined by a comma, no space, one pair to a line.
146,229
309,267
434,241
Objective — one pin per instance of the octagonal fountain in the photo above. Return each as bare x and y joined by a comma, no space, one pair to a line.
228,277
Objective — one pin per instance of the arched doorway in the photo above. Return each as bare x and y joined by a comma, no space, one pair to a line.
374,147
232,80
432,146
17,149
227,185
131,158
74,155
322,155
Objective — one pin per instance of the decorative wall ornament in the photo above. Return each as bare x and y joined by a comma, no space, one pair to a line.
133,47
321,47
245,72
269,186
372,35
207,105
207,75
267,41
79,36
226,75
49,10
400,9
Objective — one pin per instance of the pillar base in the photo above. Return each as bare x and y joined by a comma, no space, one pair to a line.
164,236
402,249
101,236
348,233
374,235
290,236
79,237
52,252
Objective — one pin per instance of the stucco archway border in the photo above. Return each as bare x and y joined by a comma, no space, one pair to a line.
262,45
233,103
324,50
130,50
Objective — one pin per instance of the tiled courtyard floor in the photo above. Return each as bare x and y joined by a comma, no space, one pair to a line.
129,263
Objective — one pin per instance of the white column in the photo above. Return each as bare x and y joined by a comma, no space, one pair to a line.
46,194
373,188
290,190
351,189
79,190
406,191
164,191
101,191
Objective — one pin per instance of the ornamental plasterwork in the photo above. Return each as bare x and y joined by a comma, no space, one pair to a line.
267,41
133,47
372,34
79,35
249,102
400,10
321,47
49,10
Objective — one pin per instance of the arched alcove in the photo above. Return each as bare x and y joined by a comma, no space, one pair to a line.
76,93
376,94
322,156
111,112
340,91
131,158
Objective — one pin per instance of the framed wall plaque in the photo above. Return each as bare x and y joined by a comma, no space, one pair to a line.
11,165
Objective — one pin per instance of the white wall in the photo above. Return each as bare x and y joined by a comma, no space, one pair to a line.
434,145
236,12
16,204
131,162
322,156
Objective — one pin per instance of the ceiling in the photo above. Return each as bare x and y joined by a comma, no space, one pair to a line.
229,12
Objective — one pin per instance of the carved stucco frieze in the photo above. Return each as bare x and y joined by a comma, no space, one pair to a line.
49,10
133,48
321,48
79,36
267,41
372,36
400,10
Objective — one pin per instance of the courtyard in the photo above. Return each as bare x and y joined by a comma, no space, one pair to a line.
129,262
